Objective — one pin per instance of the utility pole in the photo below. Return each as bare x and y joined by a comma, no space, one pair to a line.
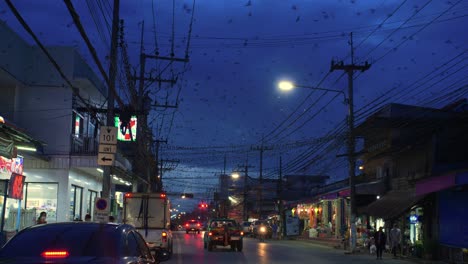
279,196
349,69
157,184
141,106
261,148
106,178
246,176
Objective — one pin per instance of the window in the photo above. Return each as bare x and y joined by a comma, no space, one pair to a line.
132,245
76,199
90,201
42,197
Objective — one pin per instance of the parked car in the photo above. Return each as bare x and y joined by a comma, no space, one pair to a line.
254,227
79,242
193,225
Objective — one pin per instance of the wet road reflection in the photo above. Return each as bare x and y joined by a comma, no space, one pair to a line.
188,248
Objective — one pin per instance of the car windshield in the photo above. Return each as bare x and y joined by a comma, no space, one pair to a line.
78,240
221,223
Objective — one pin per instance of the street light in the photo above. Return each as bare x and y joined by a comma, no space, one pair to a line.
287,86
235,175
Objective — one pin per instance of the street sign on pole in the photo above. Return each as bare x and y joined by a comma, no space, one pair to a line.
107,146
108,135
106,159
101,210
104,148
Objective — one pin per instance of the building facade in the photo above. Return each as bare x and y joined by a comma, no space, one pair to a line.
62,179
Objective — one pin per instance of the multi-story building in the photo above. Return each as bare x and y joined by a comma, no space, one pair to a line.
421,156
64,178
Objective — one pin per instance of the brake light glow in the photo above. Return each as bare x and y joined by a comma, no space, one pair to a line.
55,254
128,195
198,224
186,225
163,195
164,234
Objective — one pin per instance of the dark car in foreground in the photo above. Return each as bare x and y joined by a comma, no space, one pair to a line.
78,242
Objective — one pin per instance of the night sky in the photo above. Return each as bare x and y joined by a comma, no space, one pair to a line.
227,94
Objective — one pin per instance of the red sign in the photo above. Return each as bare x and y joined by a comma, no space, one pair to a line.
16,184
14,165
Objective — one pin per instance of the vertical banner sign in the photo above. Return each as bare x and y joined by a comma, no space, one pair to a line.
16,184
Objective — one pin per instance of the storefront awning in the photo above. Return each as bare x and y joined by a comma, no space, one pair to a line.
392,204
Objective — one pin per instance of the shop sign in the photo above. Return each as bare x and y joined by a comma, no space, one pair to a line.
16,184
9,166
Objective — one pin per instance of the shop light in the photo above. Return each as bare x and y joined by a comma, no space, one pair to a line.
100,170
115,178
33,149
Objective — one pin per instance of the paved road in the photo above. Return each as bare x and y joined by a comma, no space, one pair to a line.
188,248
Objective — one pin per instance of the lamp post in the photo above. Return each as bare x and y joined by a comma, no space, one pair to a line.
287,86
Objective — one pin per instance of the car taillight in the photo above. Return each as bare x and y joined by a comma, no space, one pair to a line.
186,225
198,225
55,254
128,195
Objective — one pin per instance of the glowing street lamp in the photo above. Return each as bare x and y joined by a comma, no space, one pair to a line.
287,86
235,175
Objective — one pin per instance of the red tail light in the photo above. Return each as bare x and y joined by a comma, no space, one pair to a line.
186,225
128,195
198,225
55,254
163,195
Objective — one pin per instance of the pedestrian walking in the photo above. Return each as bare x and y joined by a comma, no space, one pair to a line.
380,240
395,239
274,230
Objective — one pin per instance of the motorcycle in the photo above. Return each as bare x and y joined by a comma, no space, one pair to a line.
262,233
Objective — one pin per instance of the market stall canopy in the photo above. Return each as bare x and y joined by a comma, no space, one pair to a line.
12,137
393,204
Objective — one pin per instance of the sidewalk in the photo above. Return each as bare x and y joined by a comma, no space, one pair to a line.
336,243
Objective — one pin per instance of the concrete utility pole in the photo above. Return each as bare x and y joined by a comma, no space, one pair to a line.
349,69
261,148
157,186
106,178
246,176
142,118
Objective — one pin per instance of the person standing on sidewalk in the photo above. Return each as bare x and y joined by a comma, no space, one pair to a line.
395,239
380,240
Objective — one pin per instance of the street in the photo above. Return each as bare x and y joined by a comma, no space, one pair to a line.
188,248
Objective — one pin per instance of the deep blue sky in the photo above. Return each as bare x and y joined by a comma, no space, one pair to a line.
239,50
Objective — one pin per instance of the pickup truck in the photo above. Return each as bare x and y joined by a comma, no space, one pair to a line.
223,232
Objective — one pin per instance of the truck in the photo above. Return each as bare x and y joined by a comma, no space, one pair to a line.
223,232
149,213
